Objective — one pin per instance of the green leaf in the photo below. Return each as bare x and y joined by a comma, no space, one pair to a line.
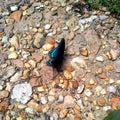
114,115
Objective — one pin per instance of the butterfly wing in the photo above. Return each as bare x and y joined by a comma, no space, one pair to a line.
56,55
53,53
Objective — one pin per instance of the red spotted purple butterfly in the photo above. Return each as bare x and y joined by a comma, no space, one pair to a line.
56,55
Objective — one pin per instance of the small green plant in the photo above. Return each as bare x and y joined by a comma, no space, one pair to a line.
114,115
113,5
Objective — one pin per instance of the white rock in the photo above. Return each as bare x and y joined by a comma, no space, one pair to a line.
88,92
103,17
106,108
111,89
16,76
88,20
25,54
51,98
55,115
29,110
79,62
100,59
80,103
1,87
12,55
43,100
47,26
80,88
32,63
60,98
22,92
4,39
13,8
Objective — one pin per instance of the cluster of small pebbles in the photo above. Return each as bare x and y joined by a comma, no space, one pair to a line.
89,85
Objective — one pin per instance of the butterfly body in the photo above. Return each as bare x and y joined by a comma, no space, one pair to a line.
56,55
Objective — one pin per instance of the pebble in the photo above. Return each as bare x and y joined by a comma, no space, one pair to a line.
44,100
1,87
88,20
4,94
101,101
47,26
78,62
14,41
32,63
3,107
22,92
60,98
7,72
4,39
37,57
80,103
25,54
68,101
88,93
100,58
48,46
51,98
111,89
16,77
25,74
103,92
18,63
14,8
114,54
16,15
55,115
63,113
117,65
35,81
30,110
103,17
13,55
107,108
67,74
80,89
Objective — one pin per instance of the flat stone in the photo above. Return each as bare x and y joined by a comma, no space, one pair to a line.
37,57
117,65
16,15
18,63
35,81
4,94
47,26
22,92
63,113
14,41
13,55
7,72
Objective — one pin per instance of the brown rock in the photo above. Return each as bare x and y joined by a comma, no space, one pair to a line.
70,35
3,106
18,63
50,40
25,74
115,102
63,113
84,52
75,84
66,83
16,15
101,101
68,101
37,57
4,94
109,67
35,81
88,85
67,74
46,73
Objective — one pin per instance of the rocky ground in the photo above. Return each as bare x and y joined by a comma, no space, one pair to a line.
88,88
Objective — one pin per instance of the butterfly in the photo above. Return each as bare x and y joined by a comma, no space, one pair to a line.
56,55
